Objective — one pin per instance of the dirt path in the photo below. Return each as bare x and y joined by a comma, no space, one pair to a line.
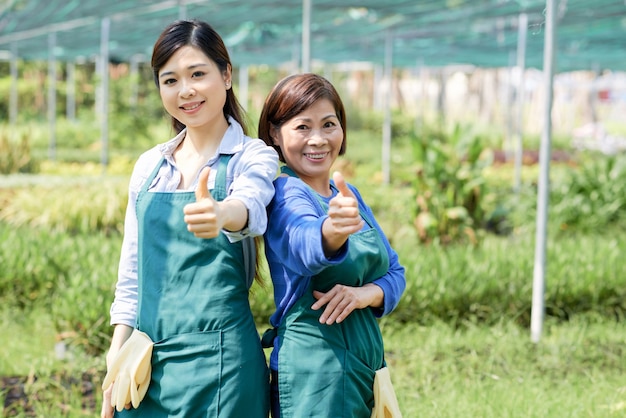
21,394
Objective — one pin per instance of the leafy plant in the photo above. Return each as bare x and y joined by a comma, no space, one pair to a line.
449,184
594,197
585,198
84,205
15,156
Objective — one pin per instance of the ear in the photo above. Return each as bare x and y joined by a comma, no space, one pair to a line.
274,134
228,77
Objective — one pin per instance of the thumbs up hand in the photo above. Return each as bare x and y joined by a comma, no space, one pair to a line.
203,217
343,218
343,209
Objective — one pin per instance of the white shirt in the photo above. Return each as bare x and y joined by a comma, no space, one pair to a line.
250,172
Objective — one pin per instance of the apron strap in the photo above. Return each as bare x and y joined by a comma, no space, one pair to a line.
248,245
219,191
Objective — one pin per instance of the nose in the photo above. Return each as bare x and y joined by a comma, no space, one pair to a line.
317,138
186,89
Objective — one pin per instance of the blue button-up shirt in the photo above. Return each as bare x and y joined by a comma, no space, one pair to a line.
249,177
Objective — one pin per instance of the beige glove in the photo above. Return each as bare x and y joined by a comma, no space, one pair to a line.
385,402
130,371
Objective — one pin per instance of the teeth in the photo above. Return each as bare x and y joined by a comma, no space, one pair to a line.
316,156
192,107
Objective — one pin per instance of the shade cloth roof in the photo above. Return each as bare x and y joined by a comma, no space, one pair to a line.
590,34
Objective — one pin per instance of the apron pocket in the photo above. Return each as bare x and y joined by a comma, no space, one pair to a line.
186,374
310,385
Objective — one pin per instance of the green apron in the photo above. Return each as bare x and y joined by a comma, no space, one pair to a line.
328,370
207,359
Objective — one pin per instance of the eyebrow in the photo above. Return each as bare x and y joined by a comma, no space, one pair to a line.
191,67
305,119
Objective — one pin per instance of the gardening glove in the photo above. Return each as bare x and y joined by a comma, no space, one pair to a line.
385,402
130,371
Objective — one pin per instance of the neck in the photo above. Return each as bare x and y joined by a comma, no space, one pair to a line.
321,186
204,140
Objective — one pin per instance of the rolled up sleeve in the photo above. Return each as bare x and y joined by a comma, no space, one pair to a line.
255,170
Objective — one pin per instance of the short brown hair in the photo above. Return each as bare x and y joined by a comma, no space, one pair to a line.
290,97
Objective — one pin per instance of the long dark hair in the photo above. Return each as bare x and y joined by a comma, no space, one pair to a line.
291,96
200,35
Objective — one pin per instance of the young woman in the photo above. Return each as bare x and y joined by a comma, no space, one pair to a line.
332,267
187,259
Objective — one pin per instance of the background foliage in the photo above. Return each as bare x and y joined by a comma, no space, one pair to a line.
465,237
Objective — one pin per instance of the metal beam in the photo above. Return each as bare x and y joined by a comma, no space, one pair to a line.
538,308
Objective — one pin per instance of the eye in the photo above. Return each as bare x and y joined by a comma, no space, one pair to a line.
330,124
301,127
197,74
168,81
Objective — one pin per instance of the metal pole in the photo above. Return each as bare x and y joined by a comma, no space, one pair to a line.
70,100
14,75
52,95
509,148
134,82
386,151
521,65
105,29
306,36
537,311
378,86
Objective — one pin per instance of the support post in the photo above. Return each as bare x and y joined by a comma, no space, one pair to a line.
539,271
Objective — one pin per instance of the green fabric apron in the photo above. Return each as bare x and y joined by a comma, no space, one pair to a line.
328,370
207,359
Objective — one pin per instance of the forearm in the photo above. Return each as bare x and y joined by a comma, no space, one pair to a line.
374,295
332,241
235,215
120,335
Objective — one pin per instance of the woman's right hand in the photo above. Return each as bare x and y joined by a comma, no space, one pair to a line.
340,301
107,409
120,335
344,218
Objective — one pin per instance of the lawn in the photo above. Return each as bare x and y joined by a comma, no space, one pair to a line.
576,370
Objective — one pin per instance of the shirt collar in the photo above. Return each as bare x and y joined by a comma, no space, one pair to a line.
232,141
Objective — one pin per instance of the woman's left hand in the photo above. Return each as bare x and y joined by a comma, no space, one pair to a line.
341,300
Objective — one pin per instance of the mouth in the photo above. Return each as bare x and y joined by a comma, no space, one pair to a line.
316,155
190,107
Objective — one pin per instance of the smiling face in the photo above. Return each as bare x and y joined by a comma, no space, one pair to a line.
310,143
193,89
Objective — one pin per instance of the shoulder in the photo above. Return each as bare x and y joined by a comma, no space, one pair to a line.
254,147
147,160
144,166
287,187
289,184
256,144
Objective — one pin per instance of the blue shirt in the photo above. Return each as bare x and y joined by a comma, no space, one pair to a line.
293,247
249,177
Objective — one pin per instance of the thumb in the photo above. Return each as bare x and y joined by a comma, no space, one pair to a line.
341,185
202,190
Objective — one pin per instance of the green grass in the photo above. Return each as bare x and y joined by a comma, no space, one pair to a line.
458,344
575,370
54,386
28,343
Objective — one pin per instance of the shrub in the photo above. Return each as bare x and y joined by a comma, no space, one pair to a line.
586,198
84,205
449,184
15,156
